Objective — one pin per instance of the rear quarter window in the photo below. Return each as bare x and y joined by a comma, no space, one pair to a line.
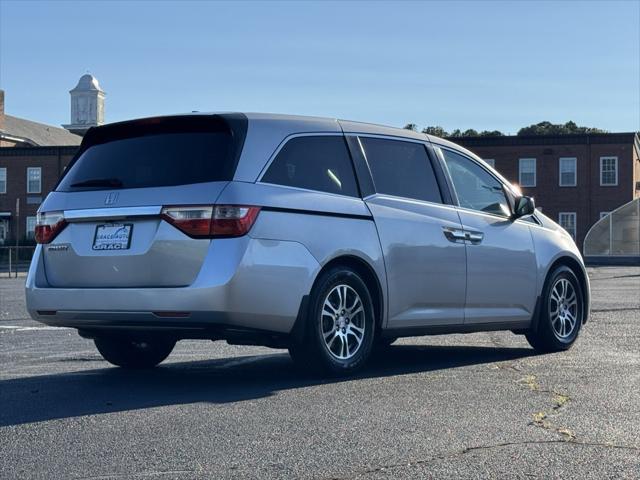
319,163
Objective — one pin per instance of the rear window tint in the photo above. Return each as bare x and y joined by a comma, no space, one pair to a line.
153,156
315,163
401,169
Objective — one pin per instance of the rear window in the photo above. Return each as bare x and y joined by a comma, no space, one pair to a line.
314,163
401,169
156,153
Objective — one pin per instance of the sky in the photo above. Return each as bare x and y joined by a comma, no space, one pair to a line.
483,65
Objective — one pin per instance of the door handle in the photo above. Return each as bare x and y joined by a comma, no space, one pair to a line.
474,237
454,234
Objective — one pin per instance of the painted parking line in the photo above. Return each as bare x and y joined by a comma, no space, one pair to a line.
19,328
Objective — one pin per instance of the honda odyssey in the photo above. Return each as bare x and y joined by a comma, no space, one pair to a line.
330,238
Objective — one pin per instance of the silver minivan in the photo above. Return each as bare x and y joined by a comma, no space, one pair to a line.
330,238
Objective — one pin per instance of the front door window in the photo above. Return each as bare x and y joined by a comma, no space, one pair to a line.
475,187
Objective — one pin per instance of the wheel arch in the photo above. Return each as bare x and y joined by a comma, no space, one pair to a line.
369,276
580,273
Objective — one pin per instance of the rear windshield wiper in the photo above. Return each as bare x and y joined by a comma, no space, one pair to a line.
99,182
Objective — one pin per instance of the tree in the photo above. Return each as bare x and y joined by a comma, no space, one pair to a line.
548,128
542,128
436,131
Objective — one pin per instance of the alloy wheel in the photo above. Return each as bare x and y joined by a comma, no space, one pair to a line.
342,322
563,308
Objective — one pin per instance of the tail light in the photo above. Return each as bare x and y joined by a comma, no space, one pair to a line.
194,221
233,220
48,226
217,221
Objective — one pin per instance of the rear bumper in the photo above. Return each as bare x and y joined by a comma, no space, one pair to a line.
243,283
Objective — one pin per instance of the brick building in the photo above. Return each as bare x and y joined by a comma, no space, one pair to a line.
575,179
34,155
27,174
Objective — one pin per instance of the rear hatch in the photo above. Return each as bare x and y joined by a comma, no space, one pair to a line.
131,209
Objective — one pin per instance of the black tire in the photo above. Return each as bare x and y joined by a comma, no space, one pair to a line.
134,352
545,338
311,352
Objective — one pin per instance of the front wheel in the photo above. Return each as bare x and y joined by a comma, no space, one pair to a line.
561,313
339,328
134,353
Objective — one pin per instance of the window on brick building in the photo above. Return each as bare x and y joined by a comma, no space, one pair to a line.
490,161
31,227
567,220
4,230
34,180
604,214
527,172
568,172
608,171
3,180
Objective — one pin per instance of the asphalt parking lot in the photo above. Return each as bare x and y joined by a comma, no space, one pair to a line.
472,406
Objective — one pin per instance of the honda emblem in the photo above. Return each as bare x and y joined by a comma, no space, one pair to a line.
111,198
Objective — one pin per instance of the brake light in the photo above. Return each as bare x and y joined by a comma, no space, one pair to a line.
218,221
48,226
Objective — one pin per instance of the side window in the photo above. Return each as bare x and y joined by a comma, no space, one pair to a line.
3,180
315,163
34,180
608,171
527,172
31,227
567,220
402,169
475,187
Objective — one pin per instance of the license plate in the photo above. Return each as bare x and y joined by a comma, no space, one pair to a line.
113,236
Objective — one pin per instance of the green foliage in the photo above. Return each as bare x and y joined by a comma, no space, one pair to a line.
548,128
492,133
542,128
436,131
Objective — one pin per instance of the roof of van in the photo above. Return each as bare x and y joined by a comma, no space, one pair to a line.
347,126
309,123
266,131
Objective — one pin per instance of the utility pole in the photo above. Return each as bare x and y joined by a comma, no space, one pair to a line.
17,235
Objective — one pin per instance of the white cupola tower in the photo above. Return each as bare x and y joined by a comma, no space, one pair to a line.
87,105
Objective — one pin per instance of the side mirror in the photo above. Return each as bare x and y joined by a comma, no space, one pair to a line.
524,206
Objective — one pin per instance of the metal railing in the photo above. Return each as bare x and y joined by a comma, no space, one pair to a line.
14,261
616,234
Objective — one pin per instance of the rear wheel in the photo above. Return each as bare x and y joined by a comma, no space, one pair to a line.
132,352
339,328
561,313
